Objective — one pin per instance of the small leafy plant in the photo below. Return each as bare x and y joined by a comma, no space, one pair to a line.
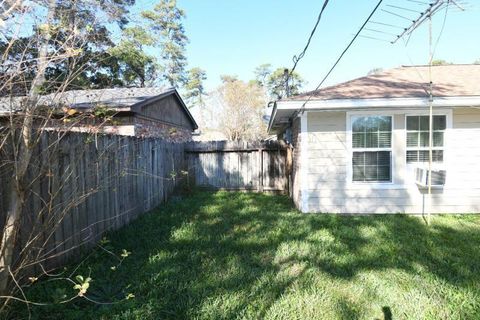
82,285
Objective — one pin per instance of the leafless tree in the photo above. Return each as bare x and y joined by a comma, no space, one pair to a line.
23,129
239,110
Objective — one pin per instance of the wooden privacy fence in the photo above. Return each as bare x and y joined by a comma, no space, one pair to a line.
256,166
82,185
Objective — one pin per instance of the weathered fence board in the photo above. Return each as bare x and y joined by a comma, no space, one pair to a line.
84,185
256,166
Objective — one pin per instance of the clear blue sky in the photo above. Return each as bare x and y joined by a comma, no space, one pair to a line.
235,36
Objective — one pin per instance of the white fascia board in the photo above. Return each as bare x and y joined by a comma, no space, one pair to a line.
340,104
272,119
360,104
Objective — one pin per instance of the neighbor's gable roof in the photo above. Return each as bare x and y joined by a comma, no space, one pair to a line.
116,98
405,82
119,99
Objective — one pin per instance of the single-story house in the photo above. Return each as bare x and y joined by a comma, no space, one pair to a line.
141,112
362,146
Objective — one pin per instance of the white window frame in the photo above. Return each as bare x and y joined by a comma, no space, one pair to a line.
407,148
410,166
351,116
420,111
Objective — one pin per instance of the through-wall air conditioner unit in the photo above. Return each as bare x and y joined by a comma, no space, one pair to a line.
438,177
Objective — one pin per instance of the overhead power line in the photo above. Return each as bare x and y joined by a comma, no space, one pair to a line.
296,58
342,54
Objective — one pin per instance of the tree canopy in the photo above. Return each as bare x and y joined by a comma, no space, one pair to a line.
166,25
274,81
194,88
150,50
240,110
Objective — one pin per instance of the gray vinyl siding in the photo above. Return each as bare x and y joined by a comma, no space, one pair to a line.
328,190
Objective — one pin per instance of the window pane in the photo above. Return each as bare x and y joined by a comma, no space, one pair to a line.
383,158
413,123
421,138
372,166
385,123
384,139
424,136
358,173
438,139
384,173
423,156
371,140
358,140
439,122
371,124
358,158
370,173
372,132
424,123
358,125
412,156
370,158
437,155
412,139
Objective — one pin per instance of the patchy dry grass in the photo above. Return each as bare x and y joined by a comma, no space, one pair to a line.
251,256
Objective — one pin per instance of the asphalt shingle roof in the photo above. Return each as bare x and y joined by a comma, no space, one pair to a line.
115,98
405,82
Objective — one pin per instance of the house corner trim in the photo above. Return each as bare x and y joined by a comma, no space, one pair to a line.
304,162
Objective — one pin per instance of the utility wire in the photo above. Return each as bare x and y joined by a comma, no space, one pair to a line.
443,27
296,58
341,55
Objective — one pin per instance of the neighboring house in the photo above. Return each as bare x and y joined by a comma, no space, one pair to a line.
141,112
357,144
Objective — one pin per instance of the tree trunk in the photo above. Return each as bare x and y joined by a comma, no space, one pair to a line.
22,158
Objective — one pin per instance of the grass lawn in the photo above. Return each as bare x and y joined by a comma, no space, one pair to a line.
252,256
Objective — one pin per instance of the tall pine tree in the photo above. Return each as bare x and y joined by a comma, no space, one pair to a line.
165,22
194,87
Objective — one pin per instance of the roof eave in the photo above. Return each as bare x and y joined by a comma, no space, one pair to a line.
456,101
272,117
292,106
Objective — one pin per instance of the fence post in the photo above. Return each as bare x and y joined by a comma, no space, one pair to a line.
260,170
289,169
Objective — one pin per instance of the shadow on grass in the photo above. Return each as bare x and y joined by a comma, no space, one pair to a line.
241,255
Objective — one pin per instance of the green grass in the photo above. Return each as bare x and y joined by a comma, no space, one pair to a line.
252,256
